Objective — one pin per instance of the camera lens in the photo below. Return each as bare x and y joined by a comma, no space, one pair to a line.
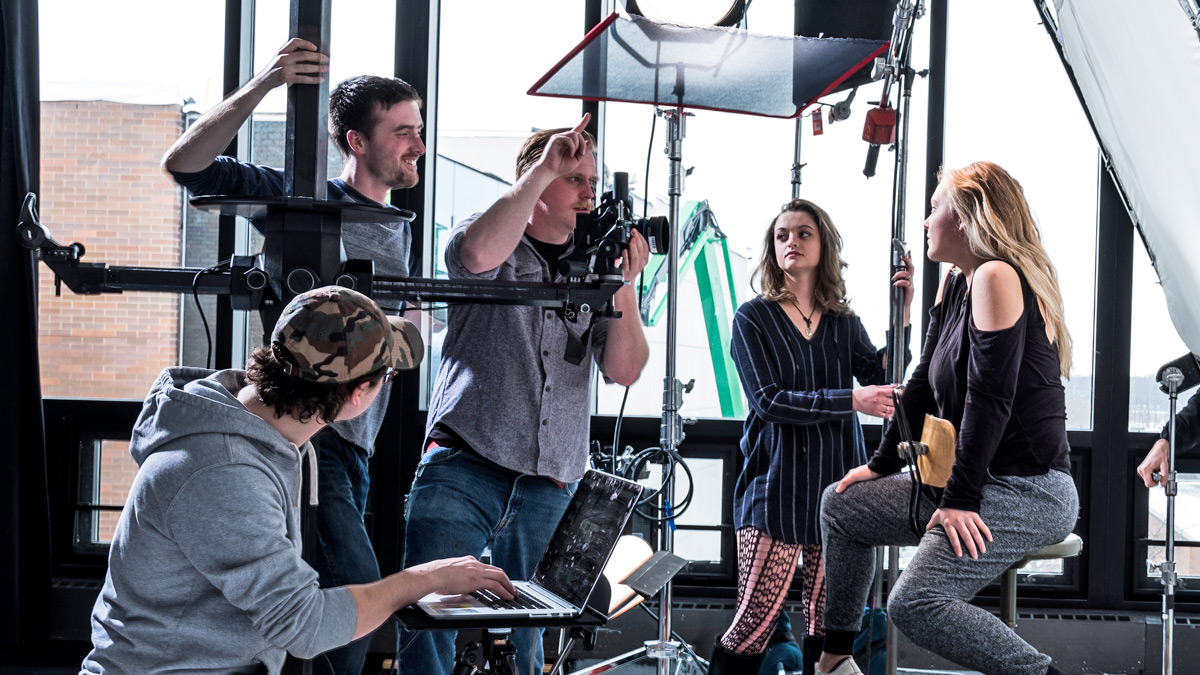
657,231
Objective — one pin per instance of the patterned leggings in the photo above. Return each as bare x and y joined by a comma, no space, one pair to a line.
765,571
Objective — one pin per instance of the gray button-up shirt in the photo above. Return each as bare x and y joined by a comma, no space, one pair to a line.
504,386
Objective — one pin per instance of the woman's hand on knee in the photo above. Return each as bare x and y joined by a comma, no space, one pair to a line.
962,528
856,475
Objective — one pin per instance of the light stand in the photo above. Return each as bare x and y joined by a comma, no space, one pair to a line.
1174,379
1171,379
664,649
797,166
667,652
896,67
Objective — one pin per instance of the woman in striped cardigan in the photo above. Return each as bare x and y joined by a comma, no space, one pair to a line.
798,349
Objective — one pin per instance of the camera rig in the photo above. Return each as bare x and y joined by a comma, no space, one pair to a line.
313,256
602,235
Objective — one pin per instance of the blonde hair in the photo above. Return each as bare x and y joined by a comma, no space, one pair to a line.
829,292
531,151
1000,226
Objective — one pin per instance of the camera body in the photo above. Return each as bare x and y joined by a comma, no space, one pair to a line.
603,235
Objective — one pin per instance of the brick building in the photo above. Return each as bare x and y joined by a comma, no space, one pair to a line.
101,185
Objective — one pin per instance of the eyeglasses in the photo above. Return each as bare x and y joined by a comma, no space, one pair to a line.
389,375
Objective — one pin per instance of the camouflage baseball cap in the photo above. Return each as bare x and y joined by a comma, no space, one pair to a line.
334,334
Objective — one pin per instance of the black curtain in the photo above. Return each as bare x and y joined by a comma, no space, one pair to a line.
24,518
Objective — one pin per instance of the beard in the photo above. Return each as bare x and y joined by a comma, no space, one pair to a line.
404,177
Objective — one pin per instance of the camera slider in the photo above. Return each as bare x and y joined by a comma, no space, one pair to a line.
257,282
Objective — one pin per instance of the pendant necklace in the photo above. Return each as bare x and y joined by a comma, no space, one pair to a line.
808,329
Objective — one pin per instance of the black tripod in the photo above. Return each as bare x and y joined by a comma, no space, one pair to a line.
492,654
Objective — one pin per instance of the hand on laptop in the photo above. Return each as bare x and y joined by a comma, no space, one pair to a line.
454,576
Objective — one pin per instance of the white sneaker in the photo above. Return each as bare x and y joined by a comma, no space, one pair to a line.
846,666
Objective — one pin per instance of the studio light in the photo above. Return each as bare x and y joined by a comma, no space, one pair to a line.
699,13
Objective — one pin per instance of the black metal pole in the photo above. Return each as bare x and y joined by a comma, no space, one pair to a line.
1173,379
935,144
306,145
593,71
239,45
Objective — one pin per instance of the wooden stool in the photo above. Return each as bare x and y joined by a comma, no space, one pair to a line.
1067,548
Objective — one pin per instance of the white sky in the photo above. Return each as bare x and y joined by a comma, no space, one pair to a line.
1009,102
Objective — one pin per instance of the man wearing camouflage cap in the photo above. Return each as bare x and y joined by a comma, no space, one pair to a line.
377,127
204,572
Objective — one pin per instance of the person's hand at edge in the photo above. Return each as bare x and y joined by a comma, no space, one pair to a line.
1156,462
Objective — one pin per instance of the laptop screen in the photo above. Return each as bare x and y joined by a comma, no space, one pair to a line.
586,536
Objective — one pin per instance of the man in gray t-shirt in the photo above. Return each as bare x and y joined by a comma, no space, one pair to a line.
376,123
507,434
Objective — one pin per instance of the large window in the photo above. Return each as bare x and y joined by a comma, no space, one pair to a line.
1187,528
1015,106
106,472
1153,342
107,117
484,114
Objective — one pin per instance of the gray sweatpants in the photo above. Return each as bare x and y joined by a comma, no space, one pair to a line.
930,602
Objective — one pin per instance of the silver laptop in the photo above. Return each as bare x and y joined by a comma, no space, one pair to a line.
570,568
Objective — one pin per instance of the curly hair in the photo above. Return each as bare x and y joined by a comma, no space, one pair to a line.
352,104
295,397
829,292
1000,226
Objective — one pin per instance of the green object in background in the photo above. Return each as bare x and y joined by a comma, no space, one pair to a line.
704,250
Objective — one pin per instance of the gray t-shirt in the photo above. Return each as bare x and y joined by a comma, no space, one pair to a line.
504,386
387,244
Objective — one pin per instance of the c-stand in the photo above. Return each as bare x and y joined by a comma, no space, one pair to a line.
671,428
665,650
895,67
1172,380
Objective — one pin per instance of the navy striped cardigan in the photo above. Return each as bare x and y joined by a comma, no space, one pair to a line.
801,432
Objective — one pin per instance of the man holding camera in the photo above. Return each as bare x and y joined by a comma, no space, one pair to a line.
507,436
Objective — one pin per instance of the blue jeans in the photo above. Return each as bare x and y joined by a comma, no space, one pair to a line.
459,505
343,554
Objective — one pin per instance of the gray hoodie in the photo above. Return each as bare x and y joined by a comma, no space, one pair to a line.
204,573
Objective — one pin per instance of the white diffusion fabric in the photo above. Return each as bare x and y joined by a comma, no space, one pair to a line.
1138,69
638,61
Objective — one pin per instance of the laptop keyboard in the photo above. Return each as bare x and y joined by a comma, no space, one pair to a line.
522,601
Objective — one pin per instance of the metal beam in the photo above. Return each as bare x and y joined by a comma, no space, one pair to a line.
306,152
935,144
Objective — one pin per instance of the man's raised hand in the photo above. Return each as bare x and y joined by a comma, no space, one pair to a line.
297,62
